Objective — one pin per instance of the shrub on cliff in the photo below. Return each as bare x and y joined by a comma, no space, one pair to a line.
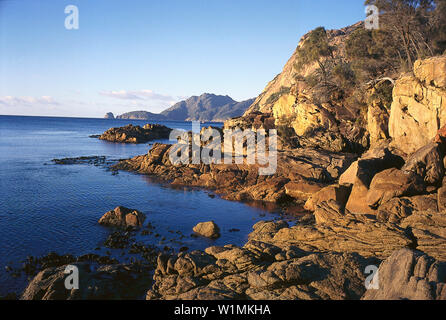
344,75
412,29
274,97
316,48
370,54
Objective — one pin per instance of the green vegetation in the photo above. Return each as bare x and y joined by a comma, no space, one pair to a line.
286,132
343,74
275,96
316,49
370,54
316,46
383,93
410,29
333,75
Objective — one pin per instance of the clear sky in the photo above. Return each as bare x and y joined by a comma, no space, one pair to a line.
132,55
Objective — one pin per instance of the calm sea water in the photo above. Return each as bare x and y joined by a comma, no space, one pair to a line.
46,207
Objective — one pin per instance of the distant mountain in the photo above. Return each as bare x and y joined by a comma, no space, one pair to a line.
207,107
141,115
201,108
232,110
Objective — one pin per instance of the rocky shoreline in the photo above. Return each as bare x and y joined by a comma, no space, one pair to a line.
387,204
136,134
385,207
101,276
360,220
300,173
382,206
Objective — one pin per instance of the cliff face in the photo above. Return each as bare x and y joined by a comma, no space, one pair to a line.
290,77
292,102
419,105
408,111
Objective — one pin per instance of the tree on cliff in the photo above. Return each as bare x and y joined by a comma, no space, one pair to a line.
332,73
439,23
316,49
371,54
410,27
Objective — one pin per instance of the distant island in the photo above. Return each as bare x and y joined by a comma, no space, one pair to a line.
109,115
142,115
207,107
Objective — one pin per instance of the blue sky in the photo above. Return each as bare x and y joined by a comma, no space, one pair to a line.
147,54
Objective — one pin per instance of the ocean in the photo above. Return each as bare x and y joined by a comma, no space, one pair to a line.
45,207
